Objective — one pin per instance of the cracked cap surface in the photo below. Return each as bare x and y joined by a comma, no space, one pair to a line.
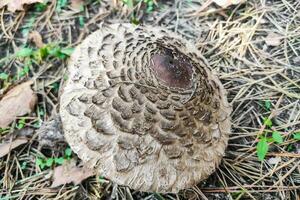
142,106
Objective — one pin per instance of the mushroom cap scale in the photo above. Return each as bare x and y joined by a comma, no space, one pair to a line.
143,108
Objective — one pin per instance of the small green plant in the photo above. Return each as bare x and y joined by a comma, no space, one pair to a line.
45,51
44,162
81,21
262,146
55,86
3,76
60,5
29,25
30,56
148,4
68,153
21,123
268,105
4,131
129,3
24,165
24,52
267,122
101,179
296,136
40,7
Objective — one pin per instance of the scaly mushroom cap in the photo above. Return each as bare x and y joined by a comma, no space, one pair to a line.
142,107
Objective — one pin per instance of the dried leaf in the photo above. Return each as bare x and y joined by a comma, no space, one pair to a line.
273,39
19,101
14,5
6,147
226,3
69,172
36,38
77,4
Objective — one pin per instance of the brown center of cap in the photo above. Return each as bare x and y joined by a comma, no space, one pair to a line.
172,72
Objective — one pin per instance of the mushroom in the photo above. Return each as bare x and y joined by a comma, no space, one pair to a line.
142,107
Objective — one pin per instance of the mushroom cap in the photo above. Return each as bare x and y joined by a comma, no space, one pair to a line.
143,108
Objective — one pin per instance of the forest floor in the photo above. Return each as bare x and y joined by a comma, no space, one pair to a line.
254,47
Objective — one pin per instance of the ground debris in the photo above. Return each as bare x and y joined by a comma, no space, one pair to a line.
7,146
36,38
69,172
19,101
50,133
76,4
226,3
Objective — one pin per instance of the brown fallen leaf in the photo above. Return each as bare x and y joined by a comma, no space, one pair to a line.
69,172
226,3
14,5
36,38
273,39
76,4
6,147
19,101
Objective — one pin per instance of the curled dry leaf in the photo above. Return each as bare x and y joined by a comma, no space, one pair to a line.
19,101
14,5
226,3
6,147
69,172
273,39
36,38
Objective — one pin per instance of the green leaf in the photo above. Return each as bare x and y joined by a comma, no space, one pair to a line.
81,21
41,53
49,162
61,4
59,160
268,104
21,123
56,52
3,76
68,152
101,179
24,165
24,52
53,50
268,122
28,26
296,136
55,86
67,51
39,7
129,3
40,162
4,130
37,124
135,21
277,137
290,147
24,71
65,77
262,148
